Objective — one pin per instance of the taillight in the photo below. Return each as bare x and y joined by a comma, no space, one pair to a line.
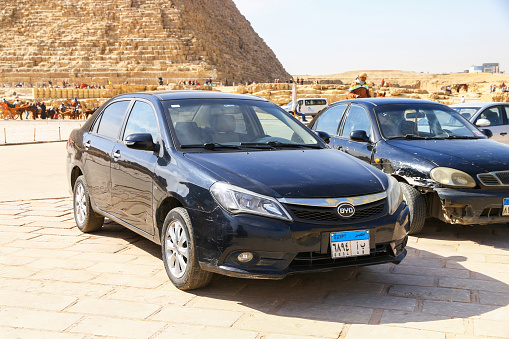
68,142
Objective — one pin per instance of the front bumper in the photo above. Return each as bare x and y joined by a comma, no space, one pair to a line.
282,248
469,206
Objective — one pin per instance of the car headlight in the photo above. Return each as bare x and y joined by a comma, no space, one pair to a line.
394,195
235,200
452,177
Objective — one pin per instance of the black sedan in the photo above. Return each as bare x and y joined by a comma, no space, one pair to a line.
231,184
448,169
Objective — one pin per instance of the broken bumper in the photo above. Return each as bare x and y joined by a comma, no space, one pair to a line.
472,206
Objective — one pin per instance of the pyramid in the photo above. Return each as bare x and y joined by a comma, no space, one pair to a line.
95,41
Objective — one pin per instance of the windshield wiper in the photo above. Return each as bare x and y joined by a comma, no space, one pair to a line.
413,137
461,137
210,146
274,144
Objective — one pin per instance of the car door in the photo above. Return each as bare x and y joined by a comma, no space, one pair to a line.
329,121
357,119
497,115
132,171
98,146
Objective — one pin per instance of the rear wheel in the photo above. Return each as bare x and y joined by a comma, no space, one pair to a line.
86,219
179,252
417,205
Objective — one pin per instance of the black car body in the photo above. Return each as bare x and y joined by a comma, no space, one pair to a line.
230,184
448,168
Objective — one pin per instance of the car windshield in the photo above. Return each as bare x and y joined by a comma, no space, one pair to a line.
423,121
230,124
467,112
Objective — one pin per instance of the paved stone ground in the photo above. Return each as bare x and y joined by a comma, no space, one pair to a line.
56,282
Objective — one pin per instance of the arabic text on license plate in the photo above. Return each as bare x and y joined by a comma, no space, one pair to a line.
349,244
505,211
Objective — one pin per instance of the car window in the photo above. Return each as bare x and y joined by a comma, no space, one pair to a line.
142,120
232,122
310,102
493,114
357,119
111,119
422,120
467,112
329,120
506,110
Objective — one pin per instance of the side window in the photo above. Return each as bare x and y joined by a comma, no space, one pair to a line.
329,120
493,115
506,111
357,119
142,120
111,119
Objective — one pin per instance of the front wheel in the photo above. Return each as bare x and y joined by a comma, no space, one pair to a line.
417,205
86,219
179,252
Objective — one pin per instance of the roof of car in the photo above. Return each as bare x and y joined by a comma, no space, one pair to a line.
178,95
479,104
389,101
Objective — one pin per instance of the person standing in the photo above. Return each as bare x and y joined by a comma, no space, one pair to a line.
359,88
43,111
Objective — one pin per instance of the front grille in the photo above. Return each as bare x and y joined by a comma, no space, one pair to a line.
330,215
316,260
503,177
494,178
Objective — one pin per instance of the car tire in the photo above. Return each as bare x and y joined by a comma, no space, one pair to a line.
86,219
417,205
179,252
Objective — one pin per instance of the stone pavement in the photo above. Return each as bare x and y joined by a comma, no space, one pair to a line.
56,282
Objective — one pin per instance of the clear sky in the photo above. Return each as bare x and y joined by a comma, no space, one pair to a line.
320,37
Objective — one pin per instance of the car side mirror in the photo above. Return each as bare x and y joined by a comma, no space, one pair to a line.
141,141
324,135
482,123
487,132
359,135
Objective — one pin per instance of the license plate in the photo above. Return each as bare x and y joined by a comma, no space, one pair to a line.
349,244
505,211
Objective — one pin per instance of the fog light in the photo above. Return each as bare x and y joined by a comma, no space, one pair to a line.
245,257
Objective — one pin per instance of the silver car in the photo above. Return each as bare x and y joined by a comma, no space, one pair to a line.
494,115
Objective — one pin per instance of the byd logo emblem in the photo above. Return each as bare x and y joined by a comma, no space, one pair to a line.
346,210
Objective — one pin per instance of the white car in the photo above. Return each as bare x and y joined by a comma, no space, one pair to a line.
493,115
310,106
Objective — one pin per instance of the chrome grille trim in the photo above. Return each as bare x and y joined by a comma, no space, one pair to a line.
498,178
333,202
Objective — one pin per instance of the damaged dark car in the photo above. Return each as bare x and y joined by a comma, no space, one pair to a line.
447,168
231,184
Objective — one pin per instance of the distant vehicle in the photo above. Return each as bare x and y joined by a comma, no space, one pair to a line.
309,106
231,184
494,115
448,169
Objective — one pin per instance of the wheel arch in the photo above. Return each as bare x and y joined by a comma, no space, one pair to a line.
162,210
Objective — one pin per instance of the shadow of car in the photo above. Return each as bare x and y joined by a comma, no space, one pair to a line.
447,168
494,115
231,184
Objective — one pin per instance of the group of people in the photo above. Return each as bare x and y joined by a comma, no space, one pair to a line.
42,111
503,88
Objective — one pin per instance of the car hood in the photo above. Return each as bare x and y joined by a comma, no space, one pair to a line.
294,173
471,156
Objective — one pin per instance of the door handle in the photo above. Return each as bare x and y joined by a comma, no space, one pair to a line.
503,133
116,155
87,145
339,147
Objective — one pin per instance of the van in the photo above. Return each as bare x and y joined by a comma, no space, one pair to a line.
310,106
